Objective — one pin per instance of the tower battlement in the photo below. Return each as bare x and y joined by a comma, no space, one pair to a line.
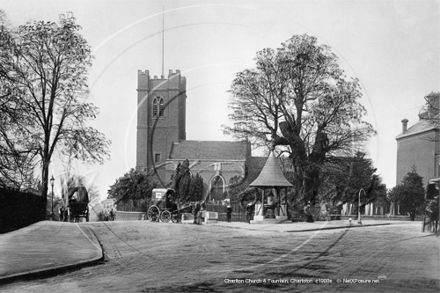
146,74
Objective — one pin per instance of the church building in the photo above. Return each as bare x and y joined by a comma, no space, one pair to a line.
162,145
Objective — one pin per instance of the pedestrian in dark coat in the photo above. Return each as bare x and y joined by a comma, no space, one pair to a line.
228,213
196,211
249,212
61,212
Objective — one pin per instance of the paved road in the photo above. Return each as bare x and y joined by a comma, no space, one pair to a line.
155,257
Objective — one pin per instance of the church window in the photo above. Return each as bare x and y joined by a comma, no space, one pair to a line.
156,158
217,187
158,107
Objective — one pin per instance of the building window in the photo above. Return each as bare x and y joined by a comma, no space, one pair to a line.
156,158
217,187
158,107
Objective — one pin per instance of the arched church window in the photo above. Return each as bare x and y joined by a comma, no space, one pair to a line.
158,107
217,188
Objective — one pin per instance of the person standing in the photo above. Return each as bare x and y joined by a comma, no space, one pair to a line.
228,213
308,213
61,213
249,212
196,211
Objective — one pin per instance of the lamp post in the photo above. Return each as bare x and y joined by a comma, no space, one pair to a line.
359,207
52,180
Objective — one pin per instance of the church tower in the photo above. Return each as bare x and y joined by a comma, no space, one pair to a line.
160,118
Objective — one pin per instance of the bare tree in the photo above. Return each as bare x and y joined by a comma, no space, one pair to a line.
430,113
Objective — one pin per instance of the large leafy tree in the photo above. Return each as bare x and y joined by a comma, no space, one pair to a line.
344,177
298,98
410,193
132,185
43,79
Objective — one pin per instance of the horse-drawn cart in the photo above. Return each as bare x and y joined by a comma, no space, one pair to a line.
432,207
78,206
164,207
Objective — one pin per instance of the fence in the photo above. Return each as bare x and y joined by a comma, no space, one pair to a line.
238,213
129,216
133,205
19,209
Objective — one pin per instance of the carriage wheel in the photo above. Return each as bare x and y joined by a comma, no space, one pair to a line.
165,216
153,213
175,217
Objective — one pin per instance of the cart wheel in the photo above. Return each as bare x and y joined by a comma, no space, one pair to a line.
175,218
153,213
165,216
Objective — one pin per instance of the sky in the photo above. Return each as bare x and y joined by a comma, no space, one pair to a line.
392,47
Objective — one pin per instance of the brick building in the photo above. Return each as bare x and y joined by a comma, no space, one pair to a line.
162,145
419,145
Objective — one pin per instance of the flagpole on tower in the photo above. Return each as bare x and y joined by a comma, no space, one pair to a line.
163,39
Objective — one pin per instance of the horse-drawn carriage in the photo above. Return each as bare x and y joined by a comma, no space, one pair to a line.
78,205
432,208
165,207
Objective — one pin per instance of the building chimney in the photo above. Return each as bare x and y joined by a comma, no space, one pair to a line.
404,125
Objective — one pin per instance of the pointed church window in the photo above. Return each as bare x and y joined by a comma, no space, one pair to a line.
161,108
155,107
158,107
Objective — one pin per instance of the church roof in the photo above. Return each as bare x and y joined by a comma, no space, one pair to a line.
418,128
271,175
209,150
256,164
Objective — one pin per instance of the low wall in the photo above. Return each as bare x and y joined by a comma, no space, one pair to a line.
129,216
209,217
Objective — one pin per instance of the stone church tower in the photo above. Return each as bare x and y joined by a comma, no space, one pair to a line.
160,118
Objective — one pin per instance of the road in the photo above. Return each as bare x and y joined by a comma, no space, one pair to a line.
155,257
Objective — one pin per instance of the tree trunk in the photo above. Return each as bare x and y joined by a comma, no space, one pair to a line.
44,189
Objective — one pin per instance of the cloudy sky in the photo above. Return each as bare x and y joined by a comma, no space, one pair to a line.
391,46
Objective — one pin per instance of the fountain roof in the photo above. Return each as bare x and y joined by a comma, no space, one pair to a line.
271,175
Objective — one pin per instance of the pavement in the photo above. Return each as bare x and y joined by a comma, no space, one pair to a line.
52,247
46,247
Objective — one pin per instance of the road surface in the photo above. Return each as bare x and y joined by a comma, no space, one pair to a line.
154,257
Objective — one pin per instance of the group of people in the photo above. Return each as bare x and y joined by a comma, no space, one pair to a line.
109,216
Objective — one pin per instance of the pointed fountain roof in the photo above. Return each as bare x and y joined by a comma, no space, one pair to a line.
271,175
